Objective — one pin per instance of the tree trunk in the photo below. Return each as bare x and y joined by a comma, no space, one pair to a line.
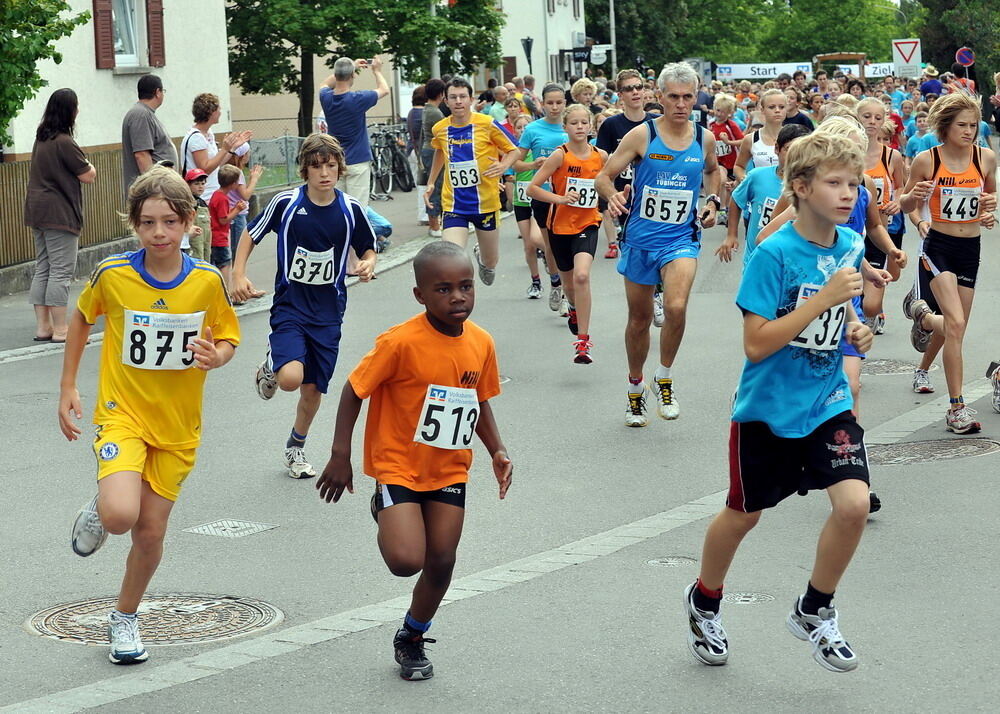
307,92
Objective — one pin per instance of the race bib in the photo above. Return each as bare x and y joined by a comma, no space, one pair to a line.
586,189
696,115
627,173
463,174
448,417
825,331
521,192
767,212
960,205
311,267
155,340
722,148
666,205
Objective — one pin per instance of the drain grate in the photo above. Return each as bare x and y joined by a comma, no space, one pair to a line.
913,452
878,367
747,598
171,619
671,561
230,528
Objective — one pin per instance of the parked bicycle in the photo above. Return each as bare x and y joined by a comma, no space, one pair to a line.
389,164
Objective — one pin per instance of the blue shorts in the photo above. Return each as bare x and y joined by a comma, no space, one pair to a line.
479,221
849,350
315,346
642,266
221,256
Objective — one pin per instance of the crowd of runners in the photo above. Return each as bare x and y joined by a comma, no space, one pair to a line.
816,182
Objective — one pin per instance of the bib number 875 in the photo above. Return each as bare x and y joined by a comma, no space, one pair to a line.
456,434
151,356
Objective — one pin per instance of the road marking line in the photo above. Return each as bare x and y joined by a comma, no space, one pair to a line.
152,678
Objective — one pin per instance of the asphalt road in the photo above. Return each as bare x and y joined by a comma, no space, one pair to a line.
550,612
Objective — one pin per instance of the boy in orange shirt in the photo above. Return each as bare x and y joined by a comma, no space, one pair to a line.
422,416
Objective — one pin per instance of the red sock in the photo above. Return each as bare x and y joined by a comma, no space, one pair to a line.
714,594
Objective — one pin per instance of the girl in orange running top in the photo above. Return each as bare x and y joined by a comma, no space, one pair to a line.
957,180
887,171
574,218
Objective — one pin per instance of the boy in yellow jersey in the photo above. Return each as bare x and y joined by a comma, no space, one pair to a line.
168,320
467,146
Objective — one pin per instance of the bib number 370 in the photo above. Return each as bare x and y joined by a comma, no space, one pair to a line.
159,340
448,418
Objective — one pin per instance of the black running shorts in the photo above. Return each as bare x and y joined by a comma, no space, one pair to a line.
387,494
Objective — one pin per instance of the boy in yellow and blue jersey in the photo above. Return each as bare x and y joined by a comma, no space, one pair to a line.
168,320
474,151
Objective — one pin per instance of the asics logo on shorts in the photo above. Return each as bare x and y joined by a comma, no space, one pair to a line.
451,489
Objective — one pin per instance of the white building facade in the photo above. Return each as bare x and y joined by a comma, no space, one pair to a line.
184,42
555,27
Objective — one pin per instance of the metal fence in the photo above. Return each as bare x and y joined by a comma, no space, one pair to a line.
103,201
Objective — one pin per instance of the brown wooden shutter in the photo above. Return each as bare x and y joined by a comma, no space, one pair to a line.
104,34
154,25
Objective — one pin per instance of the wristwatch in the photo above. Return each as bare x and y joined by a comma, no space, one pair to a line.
714,198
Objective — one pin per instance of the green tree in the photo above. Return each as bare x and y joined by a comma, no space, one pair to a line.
29,30
962,23
803,28
644,28
724,30
274,42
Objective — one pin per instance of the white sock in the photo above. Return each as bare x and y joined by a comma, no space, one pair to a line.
662,372
636,388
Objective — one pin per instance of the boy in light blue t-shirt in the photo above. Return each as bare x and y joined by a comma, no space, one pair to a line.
757,193
792,427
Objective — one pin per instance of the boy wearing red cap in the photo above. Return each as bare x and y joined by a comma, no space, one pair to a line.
201,229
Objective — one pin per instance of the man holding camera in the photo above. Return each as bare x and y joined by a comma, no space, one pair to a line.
345,111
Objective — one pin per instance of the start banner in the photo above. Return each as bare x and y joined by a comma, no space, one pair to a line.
725,72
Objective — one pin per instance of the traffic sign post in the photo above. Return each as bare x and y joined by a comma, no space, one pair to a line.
907,57
965,57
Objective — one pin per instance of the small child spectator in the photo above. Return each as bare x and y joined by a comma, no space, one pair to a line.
242,191
382,228
222,215
198,235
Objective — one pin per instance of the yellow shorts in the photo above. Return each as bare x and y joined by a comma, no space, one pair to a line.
118,449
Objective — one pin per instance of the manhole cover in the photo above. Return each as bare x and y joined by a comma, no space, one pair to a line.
909,452
164,619
747,598
230,528
671,561
877,367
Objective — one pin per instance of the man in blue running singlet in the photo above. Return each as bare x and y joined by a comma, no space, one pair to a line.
662,234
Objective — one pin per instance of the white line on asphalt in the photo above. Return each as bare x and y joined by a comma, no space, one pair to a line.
895,430
274,644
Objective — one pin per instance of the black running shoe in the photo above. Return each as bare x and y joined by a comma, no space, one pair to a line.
413,663
874,504
572,323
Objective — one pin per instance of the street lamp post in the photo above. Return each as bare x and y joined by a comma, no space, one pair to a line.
435,59
614,45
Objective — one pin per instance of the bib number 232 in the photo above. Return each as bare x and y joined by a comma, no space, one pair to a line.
159,340
825,332
448,418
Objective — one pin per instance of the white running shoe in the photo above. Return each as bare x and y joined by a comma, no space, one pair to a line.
88,532
667,406
995,379
266,382
922,382
706,635
295,460
555,297
635,414
961,420
564,307
126,647
487,275
658,316
830,648
534,291
879,328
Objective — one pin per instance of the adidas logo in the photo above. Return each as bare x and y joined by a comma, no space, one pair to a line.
301,211
160,304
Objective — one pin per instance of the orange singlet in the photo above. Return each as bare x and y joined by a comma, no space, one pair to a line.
955,198
882,176
579,174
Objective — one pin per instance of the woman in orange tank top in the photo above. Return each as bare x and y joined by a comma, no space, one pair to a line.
574,218
957,180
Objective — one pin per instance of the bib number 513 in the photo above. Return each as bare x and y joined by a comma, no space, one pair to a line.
449,428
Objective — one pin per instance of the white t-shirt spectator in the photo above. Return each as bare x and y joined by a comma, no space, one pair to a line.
196,141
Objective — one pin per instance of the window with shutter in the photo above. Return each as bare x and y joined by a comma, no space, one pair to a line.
104,34
126,35
154,33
